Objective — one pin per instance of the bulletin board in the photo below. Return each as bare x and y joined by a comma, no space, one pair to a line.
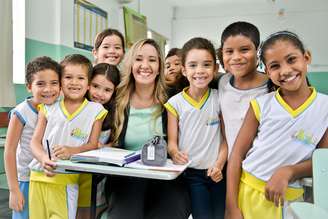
135,26
160,39
88,21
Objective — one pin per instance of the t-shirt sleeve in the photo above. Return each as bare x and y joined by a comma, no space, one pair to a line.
256,108
171,106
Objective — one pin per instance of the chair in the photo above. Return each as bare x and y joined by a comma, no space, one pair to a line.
318,210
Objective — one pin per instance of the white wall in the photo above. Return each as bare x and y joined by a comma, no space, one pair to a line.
51,21
307,18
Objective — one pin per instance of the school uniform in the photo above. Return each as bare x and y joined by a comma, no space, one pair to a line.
234,104
285,137
200,137
28,116
59,195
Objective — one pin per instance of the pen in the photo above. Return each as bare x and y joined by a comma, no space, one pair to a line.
48,149
129,155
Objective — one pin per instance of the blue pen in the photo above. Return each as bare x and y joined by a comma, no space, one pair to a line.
129,155
48,149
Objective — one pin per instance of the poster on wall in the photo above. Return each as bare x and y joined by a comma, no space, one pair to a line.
88,21
135,26
160,39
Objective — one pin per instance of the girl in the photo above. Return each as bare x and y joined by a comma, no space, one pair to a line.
238,55
274,146
42,80
104,79
194,114
109,47
140,115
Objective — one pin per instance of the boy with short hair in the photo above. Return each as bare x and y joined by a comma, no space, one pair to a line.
42,80
69,126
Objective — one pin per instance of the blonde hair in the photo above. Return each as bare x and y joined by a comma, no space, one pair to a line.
127,86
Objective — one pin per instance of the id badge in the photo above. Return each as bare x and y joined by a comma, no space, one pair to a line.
151,152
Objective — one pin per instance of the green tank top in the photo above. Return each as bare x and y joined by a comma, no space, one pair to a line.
142,126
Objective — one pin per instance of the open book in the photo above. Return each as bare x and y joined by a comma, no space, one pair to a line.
108,155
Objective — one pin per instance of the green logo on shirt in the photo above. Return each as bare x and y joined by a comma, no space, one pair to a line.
77,133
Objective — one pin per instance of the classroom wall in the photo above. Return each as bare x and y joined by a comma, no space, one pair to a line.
49,26
307,18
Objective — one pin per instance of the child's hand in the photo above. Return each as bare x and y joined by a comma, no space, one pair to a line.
48,166
179,157
16,200
63,152
277,185
215,173
233,214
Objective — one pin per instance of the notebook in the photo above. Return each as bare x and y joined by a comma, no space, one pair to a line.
169,166
109,155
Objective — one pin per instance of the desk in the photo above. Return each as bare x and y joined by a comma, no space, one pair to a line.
98,171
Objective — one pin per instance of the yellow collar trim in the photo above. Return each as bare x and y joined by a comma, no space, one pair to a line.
300,109
194,103
71,116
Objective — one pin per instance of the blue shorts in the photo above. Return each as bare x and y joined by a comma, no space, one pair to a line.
23,187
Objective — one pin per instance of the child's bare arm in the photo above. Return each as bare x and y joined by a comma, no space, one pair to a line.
65,152
215,172
37,148
277,185
177,156
15,128
242,144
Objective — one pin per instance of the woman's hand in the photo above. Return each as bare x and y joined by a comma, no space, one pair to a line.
277,185
179,157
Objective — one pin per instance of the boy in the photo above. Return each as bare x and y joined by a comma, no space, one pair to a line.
42,80
174,79
69,126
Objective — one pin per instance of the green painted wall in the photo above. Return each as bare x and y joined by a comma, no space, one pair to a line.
319,80
35,48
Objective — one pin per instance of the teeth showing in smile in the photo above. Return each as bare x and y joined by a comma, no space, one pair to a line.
199,78
145,74
291,78
74,89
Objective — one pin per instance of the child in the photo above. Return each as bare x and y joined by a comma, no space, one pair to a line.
238,55
194,131
174,79
104,79
42,80
67,127
274,146
109,47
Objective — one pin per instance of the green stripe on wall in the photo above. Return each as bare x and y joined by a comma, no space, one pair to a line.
35,48
319,80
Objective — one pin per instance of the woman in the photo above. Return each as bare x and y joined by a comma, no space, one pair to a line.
140,115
